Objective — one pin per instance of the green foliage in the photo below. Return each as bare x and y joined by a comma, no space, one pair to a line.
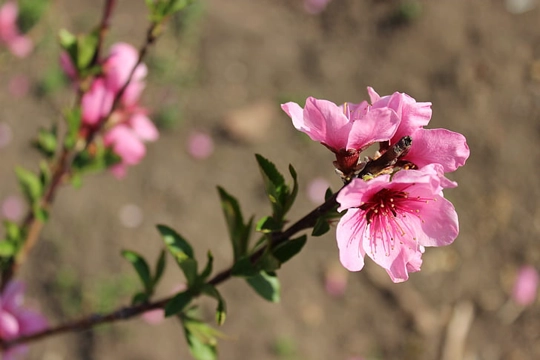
281,196
201,338
221,311
287,250
73,119
179,302
46,142
141,267
321,227
30,12
239,232
81,49
266,285
30,184
160,9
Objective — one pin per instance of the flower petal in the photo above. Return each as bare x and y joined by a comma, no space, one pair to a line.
348,233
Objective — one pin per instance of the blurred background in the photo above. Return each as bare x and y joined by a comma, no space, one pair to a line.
218,76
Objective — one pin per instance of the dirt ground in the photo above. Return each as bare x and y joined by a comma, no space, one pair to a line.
225,73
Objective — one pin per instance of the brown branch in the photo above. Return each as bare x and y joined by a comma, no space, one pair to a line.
103,28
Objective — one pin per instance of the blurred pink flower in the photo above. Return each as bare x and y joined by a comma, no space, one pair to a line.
200,145
15,320
19,45
429,146
13,208
526,286
19,85
315,6
96,103
316,190
127,139
346,130
5,134
393,219
335,281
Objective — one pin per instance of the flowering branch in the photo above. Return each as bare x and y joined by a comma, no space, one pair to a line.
32,225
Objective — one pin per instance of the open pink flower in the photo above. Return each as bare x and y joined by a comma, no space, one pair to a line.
429,146
346,130
18,44
392,221
96,103
15,320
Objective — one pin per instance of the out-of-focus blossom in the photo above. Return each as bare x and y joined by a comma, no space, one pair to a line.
19,85
127,139
526,286
335,280
18,44
131,215
96,103
200,145
316,190
315,6
5,134
16,320
13,208
392,221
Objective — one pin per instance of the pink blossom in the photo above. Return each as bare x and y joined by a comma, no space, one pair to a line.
429,146
18,44
315,7
127,139
13,208
117,68
346,130
393,220
526,286
15,320
200,145
67,65
96,103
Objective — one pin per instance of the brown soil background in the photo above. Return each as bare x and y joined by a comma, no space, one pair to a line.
473,60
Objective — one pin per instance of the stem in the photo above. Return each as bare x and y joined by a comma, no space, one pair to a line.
104,28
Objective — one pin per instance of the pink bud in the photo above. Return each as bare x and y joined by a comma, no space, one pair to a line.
526,286
13,208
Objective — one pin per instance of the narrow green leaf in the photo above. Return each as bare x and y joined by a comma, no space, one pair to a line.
208,268
175,243
285,251
268,262
160,267
221,311
292,196
321,226
189,267
178,303
238,232
267,225
30,184
266,285
46,142
40,213
201,338
13,231
243,267
141,267
86,49
73,121
270,171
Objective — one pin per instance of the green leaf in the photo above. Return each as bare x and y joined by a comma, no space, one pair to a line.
267,225
45,175
141,267
73,121
68,42
292,196
189,267
30,12
40,213
30,184
160,267
243,267
221,311
321,226
201,338
285,251
175,243
270,171
238,231
86,49
7,249
46,142
208,268
176,5
13,231
139,298
268,262
178,303
266,285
